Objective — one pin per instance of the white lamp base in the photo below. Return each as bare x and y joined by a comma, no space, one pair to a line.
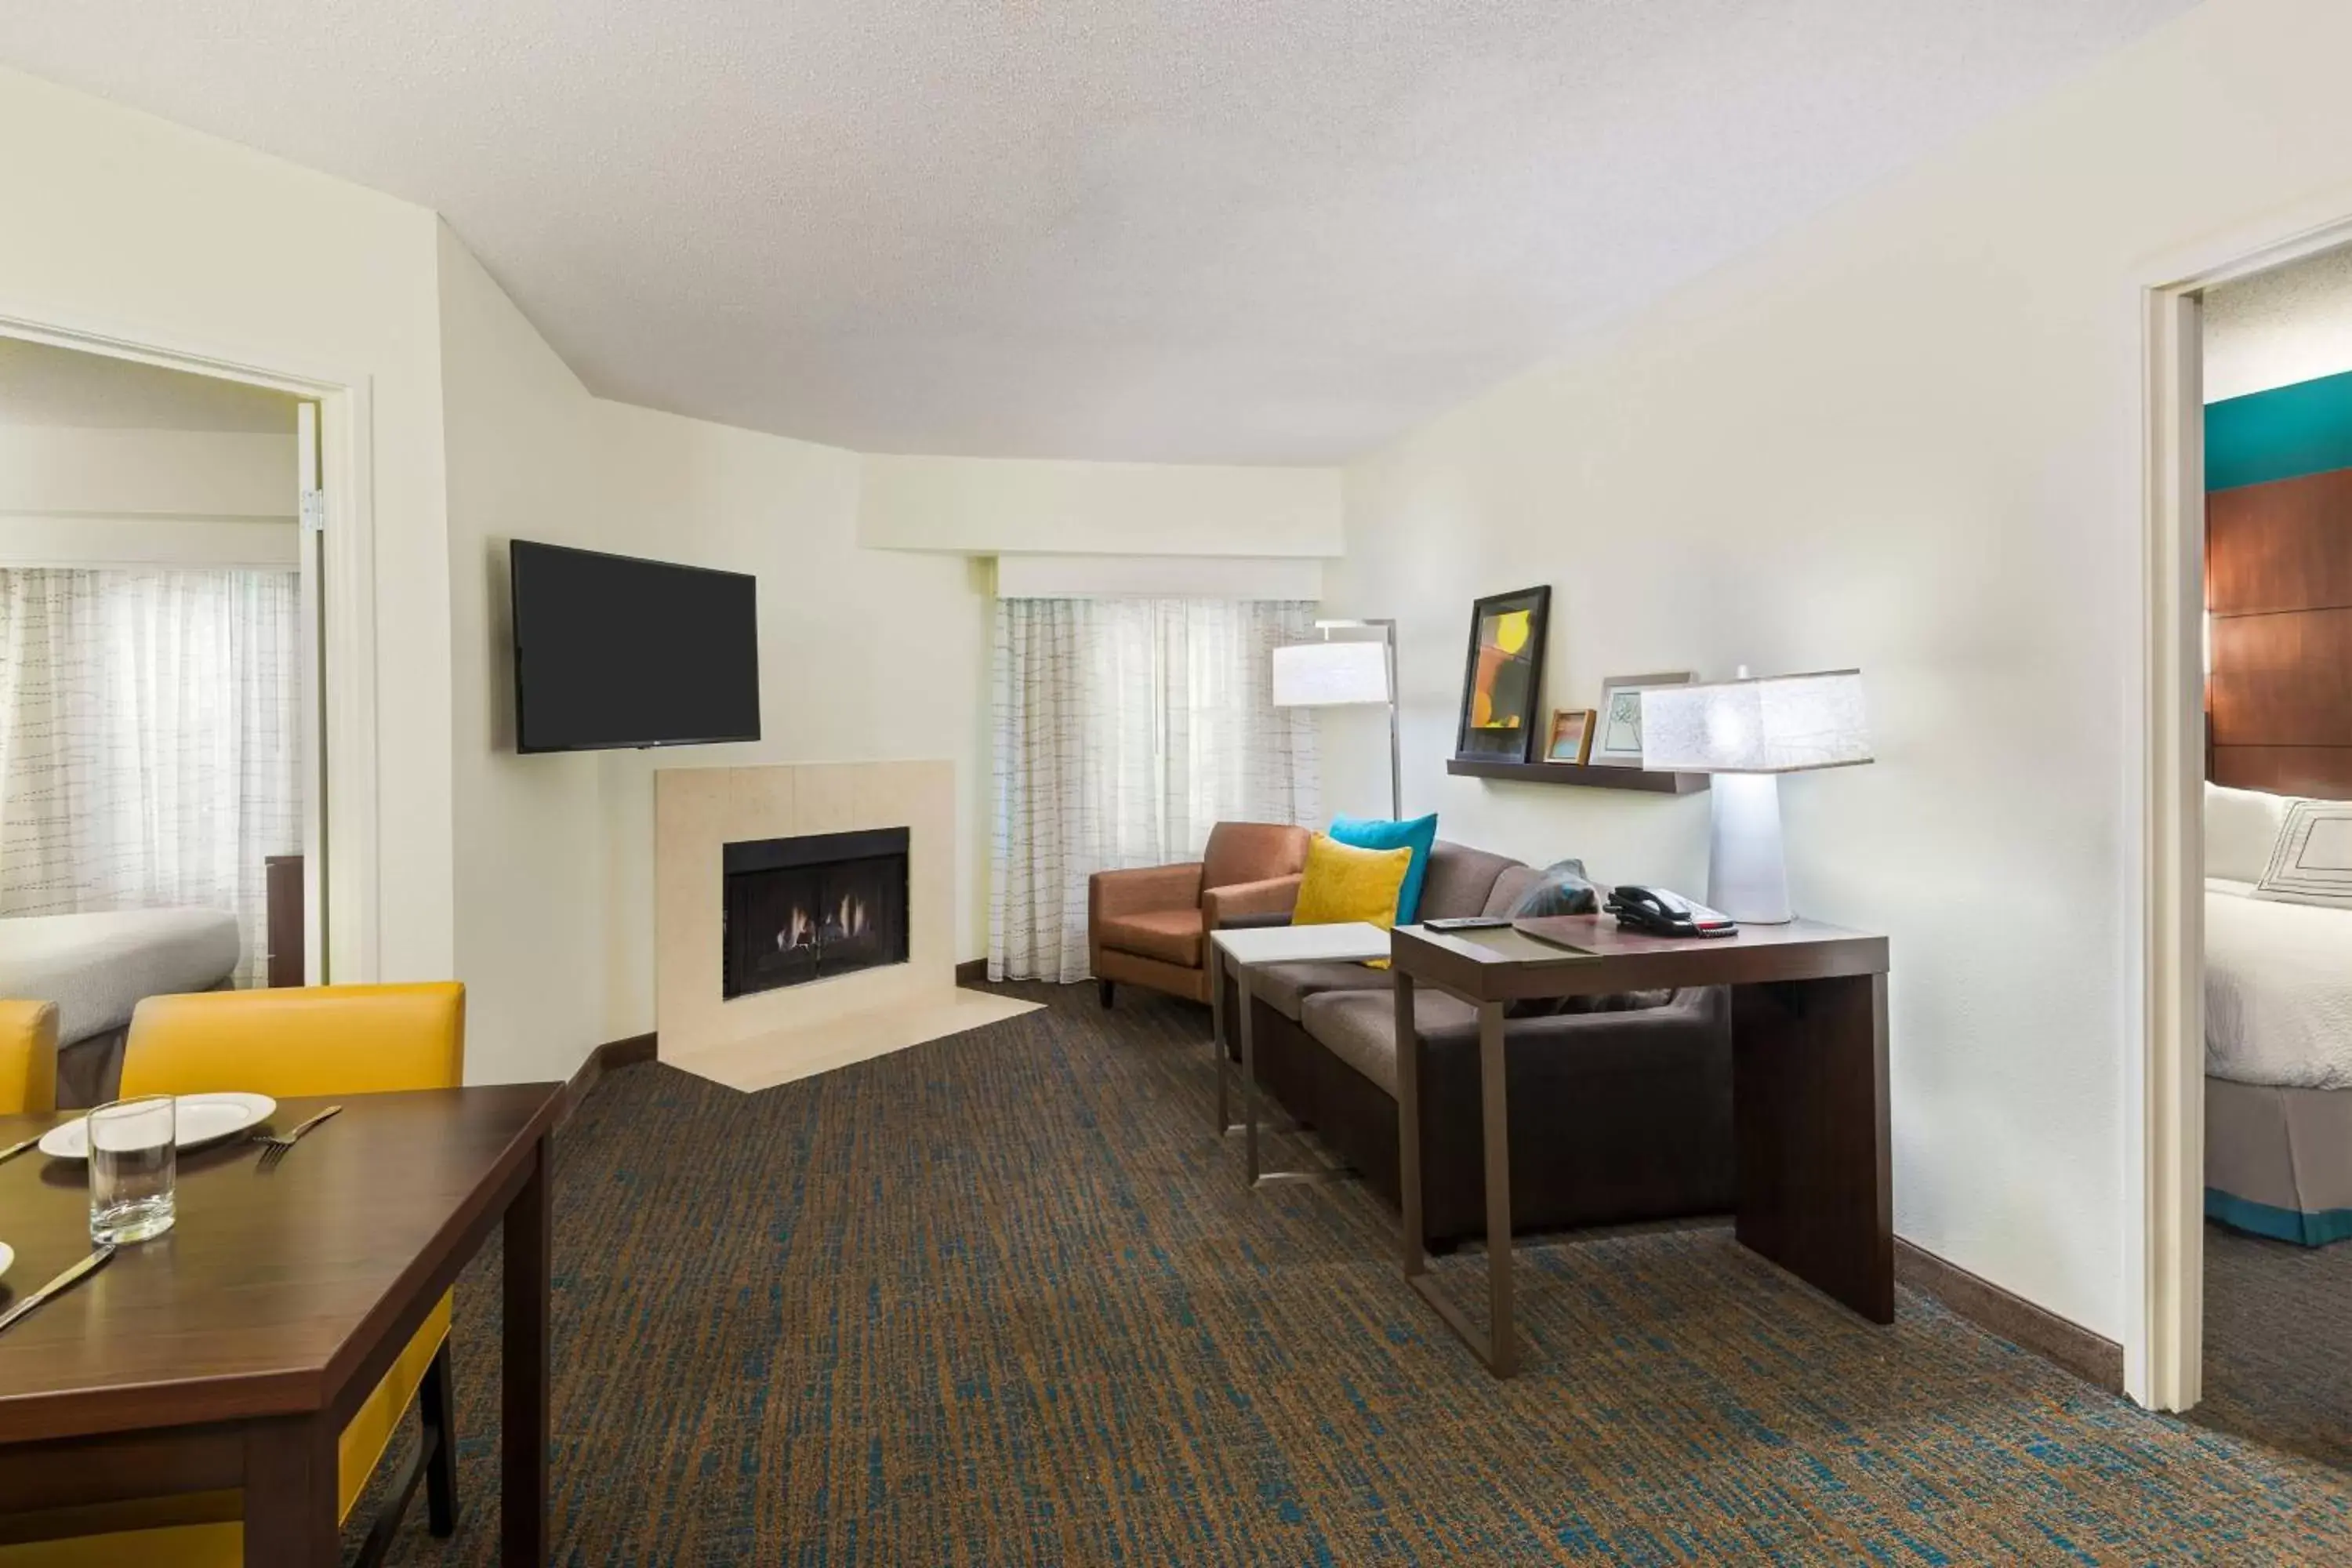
1746,878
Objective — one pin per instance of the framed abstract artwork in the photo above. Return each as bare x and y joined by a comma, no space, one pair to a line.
1617,737
1501,675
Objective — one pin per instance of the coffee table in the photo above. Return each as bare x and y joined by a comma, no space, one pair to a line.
1242,950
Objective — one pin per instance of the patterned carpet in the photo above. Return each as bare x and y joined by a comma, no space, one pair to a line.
1003,1299
2278,1344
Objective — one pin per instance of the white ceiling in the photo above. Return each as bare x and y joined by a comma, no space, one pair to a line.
1238,230
40,384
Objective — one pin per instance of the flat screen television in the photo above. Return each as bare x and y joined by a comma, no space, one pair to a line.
612,652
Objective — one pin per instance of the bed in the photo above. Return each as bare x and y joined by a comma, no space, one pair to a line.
2278,1036
97,967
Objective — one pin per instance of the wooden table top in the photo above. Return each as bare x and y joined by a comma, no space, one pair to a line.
1585,955
272,1286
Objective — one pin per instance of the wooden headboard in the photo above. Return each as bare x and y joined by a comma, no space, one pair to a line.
2278,582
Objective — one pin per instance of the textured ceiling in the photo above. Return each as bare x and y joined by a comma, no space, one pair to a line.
40,384
1199,229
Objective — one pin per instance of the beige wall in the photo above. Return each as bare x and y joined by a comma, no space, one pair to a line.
865,654
1908,437
125,225
984,506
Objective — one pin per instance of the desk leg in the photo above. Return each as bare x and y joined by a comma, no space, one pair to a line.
1414,1240
522,1460
1249,1077
1810,1115
1217,1034
1494,1117
290,1494
1498,1345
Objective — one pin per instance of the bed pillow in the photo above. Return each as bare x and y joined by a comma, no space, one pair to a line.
2312,862
1416,834
2242,828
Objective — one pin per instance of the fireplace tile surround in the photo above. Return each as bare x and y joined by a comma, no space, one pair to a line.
825,1019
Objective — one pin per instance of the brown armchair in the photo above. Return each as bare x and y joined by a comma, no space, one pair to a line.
1150,926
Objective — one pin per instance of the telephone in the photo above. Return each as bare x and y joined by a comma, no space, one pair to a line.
1661,913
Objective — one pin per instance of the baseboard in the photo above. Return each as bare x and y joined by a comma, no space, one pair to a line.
610,1057
973,972
2091,1357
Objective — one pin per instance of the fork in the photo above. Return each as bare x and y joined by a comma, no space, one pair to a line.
275,1148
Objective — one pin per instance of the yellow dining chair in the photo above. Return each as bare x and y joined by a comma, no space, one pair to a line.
288,1044
29,1057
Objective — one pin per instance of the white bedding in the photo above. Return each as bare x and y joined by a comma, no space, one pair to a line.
2278,990
96,968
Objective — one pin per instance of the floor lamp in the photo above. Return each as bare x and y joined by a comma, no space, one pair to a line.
1750,733
1348,674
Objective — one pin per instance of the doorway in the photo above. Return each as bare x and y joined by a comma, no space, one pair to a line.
207,521
2225,760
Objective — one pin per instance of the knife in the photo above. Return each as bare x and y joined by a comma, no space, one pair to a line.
57,1286
13,1149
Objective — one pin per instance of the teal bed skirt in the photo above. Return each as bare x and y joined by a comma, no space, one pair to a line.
2278,1224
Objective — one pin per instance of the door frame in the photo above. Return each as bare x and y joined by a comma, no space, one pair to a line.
2164,1125
346,600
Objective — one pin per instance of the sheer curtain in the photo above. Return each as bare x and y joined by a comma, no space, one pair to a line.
150,751
1126,729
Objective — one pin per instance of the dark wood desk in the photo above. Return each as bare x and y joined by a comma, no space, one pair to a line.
1809,1088
232,1351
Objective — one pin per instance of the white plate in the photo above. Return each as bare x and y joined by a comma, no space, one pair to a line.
6,1257
203,1118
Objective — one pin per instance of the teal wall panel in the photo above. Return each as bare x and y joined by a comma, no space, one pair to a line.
2282,434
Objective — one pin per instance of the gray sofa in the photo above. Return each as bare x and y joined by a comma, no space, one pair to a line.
1620,1111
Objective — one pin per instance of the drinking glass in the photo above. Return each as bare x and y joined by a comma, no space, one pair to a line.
134,1159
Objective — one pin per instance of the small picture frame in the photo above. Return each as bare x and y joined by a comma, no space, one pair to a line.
1572,735
1617,724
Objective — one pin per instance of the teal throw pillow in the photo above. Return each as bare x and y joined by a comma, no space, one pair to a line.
1380,833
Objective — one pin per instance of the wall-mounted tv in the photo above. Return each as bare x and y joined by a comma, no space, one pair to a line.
611,651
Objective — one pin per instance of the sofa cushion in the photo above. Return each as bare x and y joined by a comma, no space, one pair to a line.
1459,881
1380,833
1172,936
1343,885
1359,1026
1287,987
1509,889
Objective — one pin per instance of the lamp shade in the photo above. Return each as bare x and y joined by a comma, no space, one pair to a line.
1331,674
1781,724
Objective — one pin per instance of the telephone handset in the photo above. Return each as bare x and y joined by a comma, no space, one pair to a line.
1661,913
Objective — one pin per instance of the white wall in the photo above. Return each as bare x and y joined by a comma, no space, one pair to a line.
118,223
76,497
168,473
984,506
865,654
1907,437
2288,324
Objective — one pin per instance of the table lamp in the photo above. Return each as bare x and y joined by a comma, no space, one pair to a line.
1750,733
1355,673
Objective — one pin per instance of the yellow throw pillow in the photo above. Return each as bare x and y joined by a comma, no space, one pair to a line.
1343,883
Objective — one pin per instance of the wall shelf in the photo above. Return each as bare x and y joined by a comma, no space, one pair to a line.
1576,773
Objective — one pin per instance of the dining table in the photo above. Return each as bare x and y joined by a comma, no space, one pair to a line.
228,1353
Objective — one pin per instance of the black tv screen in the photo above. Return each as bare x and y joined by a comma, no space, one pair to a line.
611,651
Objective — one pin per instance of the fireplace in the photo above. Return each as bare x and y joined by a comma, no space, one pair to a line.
811,907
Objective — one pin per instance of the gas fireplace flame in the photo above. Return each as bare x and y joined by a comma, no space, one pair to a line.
845,920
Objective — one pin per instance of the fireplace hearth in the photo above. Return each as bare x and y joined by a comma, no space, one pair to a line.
813,907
